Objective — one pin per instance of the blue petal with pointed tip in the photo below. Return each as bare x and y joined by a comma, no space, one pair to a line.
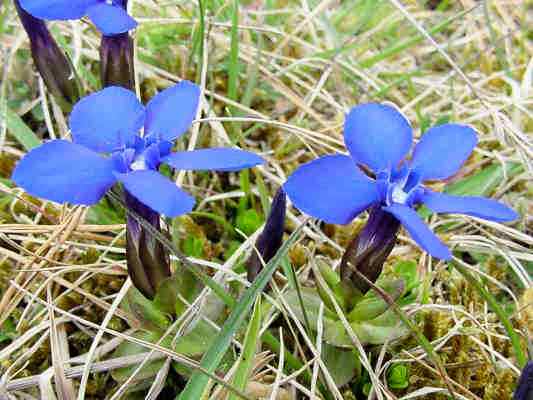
218,159
62,171
419,231
157,192
442,150
170,113
111,19
377,135
475,206
331,188
58,9
106,120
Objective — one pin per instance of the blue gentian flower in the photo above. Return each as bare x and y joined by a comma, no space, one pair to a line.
109,16
109,122
333,188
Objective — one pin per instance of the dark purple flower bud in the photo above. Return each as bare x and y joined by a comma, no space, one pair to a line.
116,59
524,390
54,67
269,241
370,248
148,260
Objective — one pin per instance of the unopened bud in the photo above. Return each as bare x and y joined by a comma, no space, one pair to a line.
148,261
116,58
54,67
270,240
368,251
116,61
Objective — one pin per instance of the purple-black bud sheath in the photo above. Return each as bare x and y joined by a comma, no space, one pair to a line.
54,67
270,240
370,248
148,260
116,59
524,389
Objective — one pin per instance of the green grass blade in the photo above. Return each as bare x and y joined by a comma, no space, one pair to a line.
242,375
198,39
234,67
406,44
20,131
198,382
233,64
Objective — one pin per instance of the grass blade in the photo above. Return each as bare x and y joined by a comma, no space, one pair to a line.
198,382
233,67
20,130
242,375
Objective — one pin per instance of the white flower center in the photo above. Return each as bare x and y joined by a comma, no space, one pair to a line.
139,163
398,195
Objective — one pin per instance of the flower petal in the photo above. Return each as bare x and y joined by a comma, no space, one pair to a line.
111,19
475,206
419,231
106,120
331,188
171,112
57,9
442,150
62,171
218,159
157,192
377,135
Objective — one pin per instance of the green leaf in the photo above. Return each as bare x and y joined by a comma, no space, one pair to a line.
376,331
211,359
197,341
248,221
8,331
311,301
146,311
343,364
485,181
193,246
127,348
242,375
407,270
398,376
20,131
194,343
331,277
181,283
372,305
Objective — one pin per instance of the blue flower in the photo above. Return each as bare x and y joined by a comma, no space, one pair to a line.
109,16
109,121
334,189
